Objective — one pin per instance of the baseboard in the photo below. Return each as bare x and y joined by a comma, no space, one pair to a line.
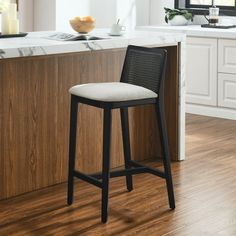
218,112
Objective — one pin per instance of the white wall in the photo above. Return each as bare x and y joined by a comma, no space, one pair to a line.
106,12
157,12
26,15
68,9
44,14
55,14
126,12
142,12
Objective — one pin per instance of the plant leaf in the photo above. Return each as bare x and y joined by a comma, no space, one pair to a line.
171,16
166,19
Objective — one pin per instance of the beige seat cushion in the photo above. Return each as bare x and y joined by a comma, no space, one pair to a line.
112,92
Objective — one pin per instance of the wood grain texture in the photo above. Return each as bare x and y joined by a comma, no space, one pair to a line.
205,189
34,118
28,125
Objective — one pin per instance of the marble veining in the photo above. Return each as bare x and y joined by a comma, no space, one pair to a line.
36,43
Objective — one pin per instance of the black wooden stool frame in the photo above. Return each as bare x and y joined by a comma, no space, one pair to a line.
101,180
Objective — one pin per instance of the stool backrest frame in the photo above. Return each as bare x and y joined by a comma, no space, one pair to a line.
145,67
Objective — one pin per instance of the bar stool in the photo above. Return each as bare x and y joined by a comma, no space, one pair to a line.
142,82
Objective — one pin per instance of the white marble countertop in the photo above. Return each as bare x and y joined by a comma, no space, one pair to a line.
194,30
35,43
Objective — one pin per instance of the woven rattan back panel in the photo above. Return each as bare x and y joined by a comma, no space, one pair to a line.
144,67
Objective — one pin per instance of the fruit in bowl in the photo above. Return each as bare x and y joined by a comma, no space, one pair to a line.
83,24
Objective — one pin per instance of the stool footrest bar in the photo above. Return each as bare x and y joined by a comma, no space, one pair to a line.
137,169
149,170
118,173
88,178
133,171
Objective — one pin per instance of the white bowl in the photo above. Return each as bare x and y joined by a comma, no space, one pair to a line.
178,20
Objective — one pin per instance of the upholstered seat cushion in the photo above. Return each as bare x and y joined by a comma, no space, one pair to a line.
112,92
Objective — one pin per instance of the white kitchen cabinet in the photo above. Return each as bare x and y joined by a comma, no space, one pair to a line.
227,90
210,70
211,77
227,56
201,71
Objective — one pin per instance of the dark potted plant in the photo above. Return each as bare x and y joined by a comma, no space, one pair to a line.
177,17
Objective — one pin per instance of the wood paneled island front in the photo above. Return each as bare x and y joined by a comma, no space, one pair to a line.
35,75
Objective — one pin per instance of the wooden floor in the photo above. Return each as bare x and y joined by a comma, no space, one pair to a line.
205,188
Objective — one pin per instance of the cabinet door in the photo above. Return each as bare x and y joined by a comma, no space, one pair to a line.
201,71
227,56
226,90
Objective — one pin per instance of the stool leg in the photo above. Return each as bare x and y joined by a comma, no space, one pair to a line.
72,148
126,145
107,121
166,157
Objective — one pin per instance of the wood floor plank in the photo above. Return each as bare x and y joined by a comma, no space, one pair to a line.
205,189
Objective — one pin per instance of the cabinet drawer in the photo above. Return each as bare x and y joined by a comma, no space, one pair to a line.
227,56
227,90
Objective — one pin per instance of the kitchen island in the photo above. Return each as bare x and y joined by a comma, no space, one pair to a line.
35,75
